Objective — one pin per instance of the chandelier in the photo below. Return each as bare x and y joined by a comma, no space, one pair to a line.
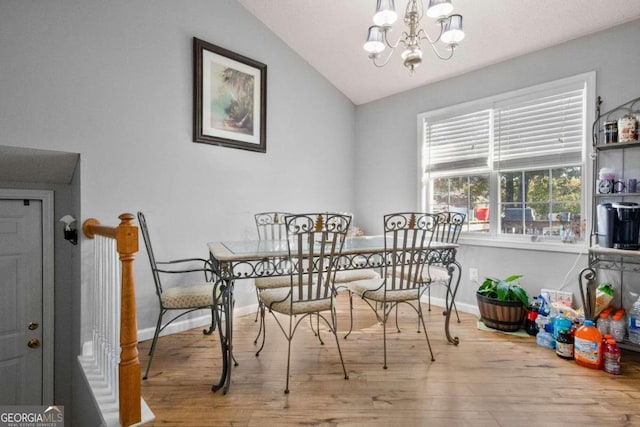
378,37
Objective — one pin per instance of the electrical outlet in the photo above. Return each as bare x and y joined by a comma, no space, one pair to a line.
473,274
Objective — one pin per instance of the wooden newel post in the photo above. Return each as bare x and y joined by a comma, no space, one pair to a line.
129,368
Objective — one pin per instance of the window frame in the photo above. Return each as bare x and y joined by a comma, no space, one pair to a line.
494,237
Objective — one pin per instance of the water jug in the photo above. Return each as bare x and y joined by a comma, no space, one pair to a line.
588,346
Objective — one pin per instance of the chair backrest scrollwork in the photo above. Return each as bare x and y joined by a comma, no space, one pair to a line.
315,243
408,237
271,225
449,227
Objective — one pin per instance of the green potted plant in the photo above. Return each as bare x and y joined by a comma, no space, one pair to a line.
502,303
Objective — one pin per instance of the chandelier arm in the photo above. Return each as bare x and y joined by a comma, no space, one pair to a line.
422,34
401,39
391,52
445,58
374,57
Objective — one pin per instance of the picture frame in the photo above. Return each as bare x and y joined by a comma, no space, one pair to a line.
230,98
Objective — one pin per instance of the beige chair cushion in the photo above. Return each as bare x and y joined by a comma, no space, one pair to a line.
282,302
373,289
351,275
432,274
341,277
188,296
272,282
436,273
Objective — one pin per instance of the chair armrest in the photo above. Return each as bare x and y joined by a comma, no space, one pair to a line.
187,270
206,261
207,269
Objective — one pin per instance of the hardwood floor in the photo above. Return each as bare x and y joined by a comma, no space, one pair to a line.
489,379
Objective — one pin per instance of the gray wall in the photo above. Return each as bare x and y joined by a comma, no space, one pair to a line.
112,80
386,129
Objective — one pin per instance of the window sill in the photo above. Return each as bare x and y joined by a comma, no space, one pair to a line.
543,245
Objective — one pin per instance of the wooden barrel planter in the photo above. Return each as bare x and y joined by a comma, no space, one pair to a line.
502,315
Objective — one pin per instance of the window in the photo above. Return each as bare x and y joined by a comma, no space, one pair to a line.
513,163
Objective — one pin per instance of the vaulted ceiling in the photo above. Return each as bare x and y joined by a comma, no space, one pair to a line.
329,35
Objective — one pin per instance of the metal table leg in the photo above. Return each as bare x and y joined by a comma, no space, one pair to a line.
454,267
226,335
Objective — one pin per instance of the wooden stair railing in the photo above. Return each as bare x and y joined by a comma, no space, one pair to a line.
126,236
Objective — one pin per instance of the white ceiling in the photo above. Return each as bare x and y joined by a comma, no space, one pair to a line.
329,34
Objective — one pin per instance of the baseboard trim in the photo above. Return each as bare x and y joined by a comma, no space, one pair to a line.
205,319
195,322
461,306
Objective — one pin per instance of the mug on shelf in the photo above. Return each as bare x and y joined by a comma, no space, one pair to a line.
608,186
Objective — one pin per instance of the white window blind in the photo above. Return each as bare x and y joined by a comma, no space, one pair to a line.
458,143
545,131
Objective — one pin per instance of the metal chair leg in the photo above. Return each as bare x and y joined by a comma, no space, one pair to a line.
384,335
350,314
425,331
213,322
334,320
260,328
263,328
153,344
289,338
317,326
258,310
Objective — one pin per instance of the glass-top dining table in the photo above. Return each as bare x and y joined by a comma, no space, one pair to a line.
250,259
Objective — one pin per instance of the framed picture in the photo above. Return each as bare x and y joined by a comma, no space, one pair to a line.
230,98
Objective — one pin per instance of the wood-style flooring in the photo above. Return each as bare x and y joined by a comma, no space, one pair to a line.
489,379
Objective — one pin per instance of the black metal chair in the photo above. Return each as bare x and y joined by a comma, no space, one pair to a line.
448,231
314,245
270,226
185,297
408,237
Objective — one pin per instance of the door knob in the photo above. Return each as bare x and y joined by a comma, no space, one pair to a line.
33,326
34,343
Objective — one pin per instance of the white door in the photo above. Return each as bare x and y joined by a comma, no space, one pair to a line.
21,302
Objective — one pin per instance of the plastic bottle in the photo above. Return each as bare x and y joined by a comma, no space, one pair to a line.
588,346
532,313
560,324
611,357
545,305
634,323
542,321
604,321
564,343
617,326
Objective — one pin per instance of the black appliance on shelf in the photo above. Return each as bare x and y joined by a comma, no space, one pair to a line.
619,225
